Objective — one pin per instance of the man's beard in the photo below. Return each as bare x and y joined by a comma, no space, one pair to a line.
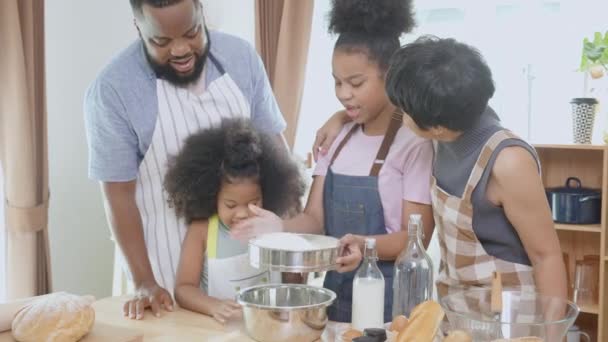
166,71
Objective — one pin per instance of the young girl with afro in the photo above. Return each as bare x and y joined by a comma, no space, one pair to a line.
377,171
213,181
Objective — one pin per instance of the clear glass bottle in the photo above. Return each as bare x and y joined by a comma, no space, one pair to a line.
413,273
368,291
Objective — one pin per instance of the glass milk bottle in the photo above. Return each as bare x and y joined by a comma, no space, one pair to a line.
413,273
368,291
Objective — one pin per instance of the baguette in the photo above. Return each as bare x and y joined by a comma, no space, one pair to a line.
423,323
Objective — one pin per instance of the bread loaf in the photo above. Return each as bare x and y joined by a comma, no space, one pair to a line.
59,317
423,323
458,336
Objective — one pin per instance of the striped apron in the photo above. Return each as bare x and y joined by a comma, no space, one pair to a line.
180,114
464,262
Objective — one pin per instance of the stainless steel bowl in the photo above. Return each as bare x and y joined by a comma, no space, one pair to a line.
285,312
322,258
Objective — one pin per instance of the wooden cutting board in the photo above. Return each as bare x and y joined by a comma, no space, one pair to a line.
101,332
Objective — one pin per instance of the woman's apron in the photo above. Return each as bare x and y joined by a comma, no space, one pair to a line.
180,114
352,205
228,275
464,261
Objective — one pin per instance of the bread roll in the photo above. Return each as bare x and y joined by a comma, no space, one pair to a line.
398,323
59,317
351,334
458,336
423,324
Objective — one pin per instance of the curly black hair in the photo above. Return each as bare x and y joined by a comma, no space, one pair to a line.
440,82
371,26
235,150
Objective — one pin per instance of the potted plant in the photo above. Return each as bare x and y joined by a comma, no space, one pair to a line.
594,64
594,58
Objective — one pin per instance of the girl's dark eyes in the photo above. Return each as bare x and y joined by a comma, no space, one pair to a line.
354,85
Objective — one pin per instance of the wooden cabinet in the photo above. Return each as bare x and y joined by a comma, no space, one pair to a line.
589,163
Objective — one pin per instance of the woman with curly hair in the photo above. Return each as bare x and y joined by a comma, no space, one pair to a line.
212,183
377,172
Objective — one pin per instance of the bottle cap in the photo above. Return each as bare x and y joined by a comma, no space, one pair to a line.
370,243
379,334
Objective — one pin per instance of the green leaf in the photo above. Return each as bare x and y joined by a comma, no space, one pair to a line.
594,52
597,38
604,58
584,64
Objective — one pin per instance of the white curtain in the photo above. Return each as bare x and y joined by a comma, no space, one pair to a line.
2,241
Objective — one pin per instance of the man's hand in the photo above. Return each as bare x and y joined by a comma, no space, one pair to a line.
148,296
263,222
328,133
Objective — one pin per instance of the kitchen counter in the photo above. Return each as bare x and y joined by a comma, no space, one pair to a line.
179,325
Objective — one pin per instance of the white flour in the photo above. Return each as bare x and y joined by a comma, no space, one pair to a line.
289,242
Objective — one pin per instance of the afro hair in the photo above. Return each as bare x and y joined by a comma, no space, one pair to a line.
372,17
234,150
372,27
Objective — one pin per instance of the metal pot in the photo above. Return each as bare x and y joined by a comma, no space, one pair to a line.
285,312
573,204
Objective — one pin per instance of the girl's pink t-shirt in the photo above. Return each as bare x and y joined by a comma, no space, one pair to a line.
405,175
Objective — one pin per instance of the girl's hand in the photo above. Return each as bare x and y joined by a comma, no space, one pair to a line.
225,310
263,222
351,255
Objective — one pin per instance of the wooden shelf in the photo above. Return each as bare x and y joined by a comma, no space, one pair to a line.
590,309
590,228
572,146
590,164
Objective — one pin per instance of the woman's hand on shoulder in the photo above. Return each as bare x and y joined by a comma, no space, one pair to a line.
262,222
328,133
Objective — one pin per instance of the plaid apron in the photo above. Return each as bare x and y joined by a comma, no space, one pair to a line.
464,262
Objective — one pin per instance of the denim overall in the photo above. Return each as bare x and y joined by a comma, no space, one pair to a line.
352,205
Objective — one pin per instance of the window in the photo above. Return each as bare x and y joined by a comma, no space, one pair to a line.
532,46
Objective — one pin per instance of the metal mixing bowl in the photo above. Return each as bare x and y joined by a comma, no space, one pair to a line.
285,312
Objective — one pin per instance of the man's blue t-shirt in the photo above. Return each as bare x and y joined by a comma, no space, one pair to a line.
121,106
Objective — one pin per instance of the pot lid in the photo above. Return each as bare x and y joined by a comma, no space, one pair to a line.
584,100
573,186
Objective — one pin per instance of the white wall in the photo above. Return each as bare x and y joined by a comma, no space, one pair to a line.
81,36
236,17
